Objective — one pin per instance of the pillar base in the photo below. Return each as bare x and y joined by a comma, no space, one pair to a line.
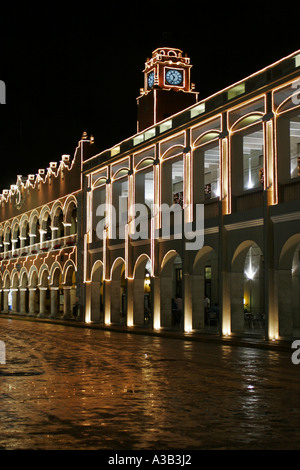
53,316
42,315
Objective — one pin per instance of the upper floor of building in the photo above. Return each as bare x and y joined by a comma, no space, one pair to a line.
237,146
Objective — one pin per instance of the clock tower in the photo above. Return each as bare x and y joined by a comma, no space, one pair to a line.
167,87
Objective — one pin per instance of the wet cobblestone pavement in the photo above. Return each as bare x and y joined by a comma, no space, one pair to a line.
67,388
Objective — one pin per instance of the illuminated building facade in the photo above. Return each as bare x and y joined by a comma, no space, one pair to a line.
236,156
201,203
38,233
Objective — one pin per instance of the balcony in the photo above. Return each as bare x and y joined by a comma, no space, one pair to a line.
290,191
40,248
250,200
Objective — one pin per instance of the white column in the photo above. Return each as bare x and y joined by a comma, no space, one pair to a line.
53,302
32,301
23,300
155,284
67,302
107,309
14,306
5,300
43,293
188,299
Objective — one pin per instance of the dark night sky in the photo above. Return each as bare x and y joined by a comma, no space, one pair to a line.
80,69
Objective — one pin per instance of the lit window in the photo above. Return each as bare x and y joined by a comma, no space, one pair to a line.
149,189
295,147
212,171
253,149
165,126
115,151
236,91
199,109
177,182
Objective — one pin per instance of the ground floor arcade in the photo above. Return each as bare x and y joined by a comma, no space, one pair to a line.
230,286
44,292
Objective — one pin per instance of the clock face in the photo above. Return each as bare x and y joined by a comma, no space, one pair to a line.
174,77
151,79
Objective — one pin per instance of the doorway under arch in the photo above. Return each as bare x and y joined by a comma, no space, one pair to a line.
97,306
289,288
205,290
171,309
247,290
118,310
142,315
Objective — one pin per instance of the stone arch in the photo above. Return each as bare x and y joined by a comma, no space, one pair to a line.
43,276
7,237
33,280
289,103
14,278
142,291
57,219
247,289
70,215
33,276
34,227
23,277
45,221
67,273
24,292
69,288
288,251
15,234
5,290
24,230
6,279
55,274
247,120
289,288
56,293
14,291
44,291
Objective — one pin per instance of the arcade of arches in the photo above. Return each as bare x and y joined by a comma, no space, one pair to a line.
192,301
38,261
45,293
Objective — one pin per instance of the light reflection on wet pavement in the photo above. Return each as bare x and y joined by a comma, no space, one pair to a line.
67,388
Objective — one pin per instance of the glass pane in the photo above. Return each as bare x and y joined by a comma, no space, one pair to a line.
212,172
253,148
295,147
149,189
123,201
177,182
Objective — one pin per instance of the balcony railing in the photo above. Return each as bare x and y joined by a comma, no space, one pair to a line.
289,191
41,247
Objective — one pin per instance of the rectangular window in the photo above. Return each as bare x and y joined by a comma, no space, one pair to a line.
212,172
149,189
199,109
123,202
295,147
236,91
177,182
253,150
